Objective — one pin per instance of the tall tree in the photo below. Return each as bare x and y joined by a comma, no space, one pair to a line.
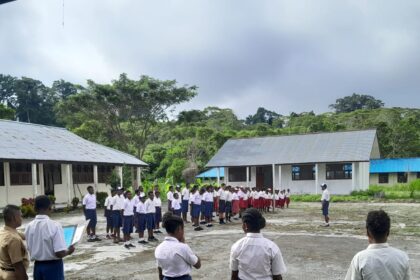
262,116
355,102
6,113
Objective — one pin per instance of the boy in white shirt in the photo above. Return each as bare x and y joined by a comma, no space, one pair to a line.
170,197
185,195
89,208
141,219
158,214
325,201
128,214
150,216
108,215
176,205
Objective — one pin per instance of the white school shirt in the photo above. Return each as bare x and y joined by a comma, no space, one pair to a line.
256,195
44,238
118,202
208,197
246,195
235,196
136,200
149,206
256,257
281,196
287,194
141,208
157,201
276,196
89,201
174,258
325,195
196,198
223,195
185,194
108,203
214,194
175,204
229,196
241,194
170,196
129,207
379,262
219,192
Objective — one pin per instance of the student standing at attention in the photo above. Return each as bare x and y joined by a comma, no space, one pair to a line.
325,201
46,245
170,197
175,258
117,207
128,220
158,214
255,257
14,260
89,208
176,205
108,215
150,208
185,195
379,261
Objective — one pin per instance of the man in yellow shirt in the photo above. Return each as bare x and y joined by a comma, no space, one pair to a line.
14,259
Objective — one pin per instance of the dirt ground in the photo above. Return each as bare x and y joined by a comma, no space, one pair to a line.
310,251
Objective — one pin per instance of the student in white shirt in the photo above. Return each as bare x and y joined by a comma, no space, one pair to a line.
222,204
158,214
379,261
228,209
208,205
185,195
176,205
150,207
325,201
45,242
287,195
255,257
128,216
195,208
170,197
175,258
117,207
141,219
89,209
108,214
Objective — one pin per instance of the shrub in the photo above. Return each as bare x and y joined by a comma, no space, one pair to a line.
100,198
27,207
75,202
52,198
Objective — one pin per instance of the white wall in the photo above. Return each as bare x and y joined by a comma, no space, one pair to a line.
392,179
3,201
16,193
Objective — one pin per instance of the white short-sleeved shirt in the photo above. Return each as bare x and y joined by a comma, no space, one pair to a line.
150,206
136,200
256,257
208,197
170,196
141,208
118,202
129,207
44,238
89,201
196,198
246,195
256,195
325,195
379,262
157,201
235,196
287,194
108,203
229,196
174,258
175,204
219,192
223,195
185,194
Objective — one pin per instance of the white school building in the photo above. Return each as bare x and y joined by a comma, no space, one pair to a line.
37,159
300,162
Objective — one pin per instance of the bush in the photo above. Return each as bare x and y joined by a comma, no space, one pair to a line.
27,207
52,198
75,202
100,198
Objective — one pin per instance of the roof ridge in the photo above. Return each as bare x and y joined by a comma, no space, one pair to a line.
33,124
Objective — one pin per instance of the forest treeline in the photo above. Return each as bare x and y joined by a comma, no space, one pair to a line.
132,116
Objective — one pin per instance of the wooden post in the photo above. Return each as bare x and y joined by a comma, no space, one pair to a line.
34,180
138,176
95,177
247,176
316,178
69,182
41,178
218,176
273,188
120,174
6,169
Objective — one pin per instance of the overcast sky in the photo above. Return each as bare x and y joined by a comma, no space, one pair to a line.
282,55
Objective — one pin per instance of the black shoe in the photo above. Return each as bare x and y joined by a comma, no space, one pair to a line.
126,246
97,239
202,223
142,242
153,239
198,228
91,240
131,245
209,225
222,223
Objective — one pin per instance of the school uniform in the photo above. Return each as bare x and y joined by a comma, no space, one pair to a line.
264,255
196,205
185,200
235,203
12,251
282,200
117,206
176,206
150,208
261,199
128,216
229,197
158,207
136,200
170,197
222,200
256,200
277,200
175,259
108,211
141,216
287,199
242,203
325,199
215,202
44,238
89,201
208,205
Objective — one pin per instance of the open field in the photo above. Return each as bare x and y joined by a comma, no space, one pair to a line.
310,251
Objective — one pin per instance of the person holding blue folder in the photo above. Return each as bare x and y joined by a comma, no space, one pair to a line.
45,242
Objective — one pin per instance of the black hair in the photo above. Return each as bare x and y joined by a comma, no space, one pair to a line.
378,224
42,202
89,187
150,192
171,222
9,212
254,220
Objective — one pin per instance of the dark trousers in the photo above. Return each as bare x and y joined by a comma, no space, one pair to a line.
184,277
49,270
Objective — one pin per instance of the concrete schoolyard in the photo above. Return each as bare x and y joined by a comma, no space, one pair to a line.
310,251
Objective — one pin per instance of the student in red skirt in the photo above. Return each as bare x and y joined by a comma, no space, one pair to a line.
276,199
287,196
235,203
256,200
261,200
282,199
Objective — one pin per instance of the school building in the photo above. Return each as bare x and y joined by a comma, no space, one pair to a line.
300,162
393,171
37,159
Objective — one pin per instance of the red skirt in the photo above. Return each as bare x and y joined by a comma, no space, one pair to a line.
243,204
261,202
255,203
216,204
235,206
282,202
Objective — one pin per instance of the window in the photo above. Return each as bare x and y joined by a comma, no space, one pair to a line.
383,178
418,175
104,172
82,174
21,174
339,171
237,174
402,177
1,174
303,172
52,172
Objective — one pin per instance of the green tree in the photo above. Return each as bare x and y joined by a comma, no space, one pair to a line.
356,102
6,113
263,116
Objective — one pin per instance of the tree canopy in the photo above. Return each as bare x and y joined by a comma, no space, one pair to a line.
356,102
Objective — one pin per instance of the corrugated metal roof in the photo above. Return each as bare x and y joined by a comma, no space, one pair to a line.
23,141
395,165
345,146
211,173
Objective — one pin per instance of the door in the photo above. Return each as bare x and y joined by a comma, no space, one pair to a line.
52,175
264,177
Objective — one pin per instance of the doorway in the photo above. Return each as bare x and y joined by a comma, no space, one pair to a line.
264,177
52,176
